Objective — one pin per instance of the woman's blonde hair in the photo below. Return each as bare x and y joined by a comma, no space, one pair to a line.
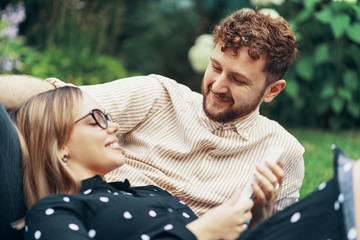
44,124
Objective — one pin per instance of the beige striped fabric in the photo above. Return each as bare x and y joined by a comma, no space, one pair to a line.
169,142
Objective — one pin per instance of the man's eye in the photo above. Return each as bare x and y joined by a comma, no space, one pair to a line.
238,81
216,68
94,123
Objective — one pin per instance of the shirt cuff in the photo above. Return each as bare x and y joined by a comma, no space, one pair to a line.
57,82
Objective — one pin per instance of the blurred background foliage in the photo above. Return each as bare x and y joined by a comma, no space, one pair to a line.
89,42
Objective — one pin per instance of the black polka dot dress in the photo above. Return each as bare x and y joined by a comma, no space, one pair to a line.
110,211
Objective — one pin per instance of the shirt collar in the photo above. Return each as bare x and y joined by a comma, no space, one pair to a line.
97,183
242,125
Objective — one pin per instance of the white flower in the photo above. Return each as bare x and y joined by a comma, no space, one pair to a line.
247,9
266,3
270,12
200,53
347,1
278,2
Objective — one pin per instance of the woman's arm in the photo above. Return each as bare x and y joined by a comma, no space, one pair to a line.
226,221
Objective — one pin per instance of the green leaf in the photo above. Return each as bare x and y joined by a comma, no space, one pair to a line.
353,32
345,94
350,80
309,4
322,53
339,25
353,109
324,16
328,91
305,68
357,11
292,89
337,105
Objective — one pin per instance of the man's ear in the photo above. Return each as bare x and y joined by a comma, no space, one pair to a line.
274,89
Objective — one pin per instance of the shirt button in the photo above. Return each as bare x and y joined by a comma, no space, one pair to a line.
170,210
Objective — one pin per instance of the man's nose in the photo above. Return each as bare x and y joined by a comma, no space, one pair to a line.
220,84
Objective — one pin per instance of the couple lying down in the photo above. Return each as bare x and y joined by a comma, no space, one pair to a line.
67,197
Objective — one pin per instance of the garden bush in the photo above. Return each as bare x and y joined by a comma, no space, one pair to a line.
323,87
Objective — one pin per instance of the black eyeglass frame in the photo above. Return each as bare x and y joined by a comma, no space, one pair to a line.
107,117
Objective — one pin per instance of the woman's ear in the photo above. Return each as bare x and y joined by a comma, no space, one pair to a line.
274,89
64,151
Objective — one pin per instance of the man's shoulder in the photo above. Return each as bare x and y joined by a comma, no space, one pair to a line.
175,88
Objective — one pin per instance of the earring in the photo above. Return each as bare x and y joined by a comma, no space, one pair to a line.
65,159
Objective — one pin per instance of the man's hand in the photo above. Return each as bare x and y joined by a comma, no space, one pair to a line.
269,179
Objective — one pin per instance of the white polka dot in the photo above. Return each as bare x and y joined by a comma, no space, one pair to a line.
182,202
37,234
322,186
26,228
145,237
127,215
87,191
347,167
352,234
185,215
74,227
104,199
128,193
295,217
92,233
336,205
49,211
151,195
66,199
116,193
341,197
152,213
168,227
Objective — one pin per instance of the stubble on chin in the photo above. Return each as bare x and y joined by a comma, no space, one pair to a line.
231,113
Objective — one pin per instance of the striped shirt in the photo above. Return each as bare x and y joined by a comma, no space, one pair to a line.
168,141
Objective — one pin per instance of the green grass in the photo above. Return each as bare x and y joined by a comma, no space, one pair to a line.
318,155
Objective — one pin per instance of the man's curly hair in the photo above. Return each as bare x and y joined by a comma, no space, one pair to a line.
265,36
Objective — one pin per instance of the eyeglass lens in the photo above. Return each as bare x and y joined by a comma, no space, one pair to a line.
101,118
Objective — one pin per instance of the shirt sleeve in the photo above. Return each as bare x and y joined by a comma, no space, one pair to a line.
290,187
54,223
128,100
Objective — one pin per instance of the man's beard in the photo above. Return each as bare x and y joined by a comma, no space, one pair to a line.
231,113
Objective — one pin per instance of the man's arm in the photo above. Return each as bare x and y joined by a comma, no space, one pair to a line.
17,89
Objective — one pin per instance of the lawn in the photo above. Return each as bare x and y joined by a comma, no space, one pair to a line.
318,155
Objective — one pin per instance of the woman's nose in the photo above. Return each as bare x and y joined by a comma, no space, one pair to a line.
113,127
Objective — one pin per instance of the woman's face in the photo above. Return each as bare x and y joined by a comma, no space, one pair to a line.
91,149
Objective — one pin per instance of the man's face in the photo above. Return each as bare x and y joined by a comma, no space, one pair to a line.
233,86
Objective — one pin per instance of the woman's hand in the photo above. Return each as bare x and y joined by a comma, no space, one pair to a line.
226,221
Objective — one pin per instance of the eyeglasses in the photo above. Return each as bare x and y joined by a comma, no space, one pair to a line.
101,119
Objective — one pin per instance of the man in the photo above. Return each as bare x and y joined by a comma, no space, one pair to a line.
201,148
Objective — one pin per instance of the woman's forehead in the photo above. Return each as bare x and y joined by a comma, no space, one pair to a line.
88,103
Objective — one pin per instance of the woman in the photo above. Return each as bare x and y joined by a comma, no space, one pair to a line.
68,145
117,211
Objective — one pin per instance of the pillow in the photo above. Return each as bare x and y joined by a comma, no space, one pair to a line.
12,206
343,166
